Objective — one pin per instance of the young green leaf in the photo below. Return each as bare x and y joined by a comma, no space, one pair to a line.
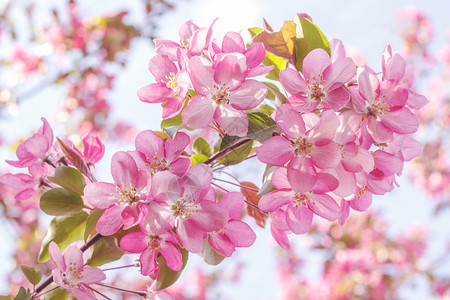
261,127
198,159
23,294
63,231
105,250
236,155
200,146
70,179
33,276
91,222
59,202
309,37
280,43
166,276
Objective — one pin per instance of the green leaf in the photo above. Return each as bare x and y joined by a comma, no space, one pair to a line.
33,276
210,255
279,64
58,294
4,297
104,251
275,94
69,178
174,121
59,202
254,31
201,146
237,155
91,222
23,294
63,231
309,37
166,276
261,127
262,108
198,159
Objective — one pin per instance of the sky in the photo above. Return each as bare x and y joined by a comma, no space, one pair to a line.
365,25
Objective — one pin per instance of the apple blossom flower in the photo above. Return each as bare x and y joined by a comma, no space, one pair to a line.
72,274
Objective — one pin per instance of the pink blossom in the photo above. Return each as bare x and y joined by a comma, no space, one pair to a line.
153,154
151,244
72,274
120,200
322,82
223,94
301,205
189,204
236,233
34,149
302,149
171,85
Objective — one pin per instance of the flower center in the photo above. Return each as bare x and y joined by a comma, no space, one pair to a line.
154,242
171,82
72,274
183,208
221,94
302,200
316,90
302,147
185,43
127,196
157,165
379,107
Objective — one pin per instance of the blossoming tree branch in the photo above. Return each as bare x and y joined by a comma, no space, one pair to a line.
330,133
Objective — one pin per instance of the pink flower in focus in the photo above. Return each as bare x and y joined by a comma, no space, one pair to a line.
236,233
301,205
223,94
120,200
72,274
322,82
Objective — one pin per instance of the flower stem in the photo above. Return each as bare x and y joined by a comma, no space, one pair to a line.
143,294
122,267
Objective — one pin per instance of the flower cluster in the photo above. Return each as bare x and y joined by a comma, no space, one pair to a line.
344,137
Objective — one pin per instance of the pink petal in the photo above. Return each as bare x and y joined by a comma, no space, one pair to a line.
249,95
302,103
101,195
367,82
240,234
82,293
221,244
327,156
199,112
292,81
301,174
401,121
202,75
259,70
362,203
92,275
325,207
191,236
110,221
276,152
180,166
131,216
73,257
161,66
336,99
56,256
210,216
315,63
173,148
299,219
233,42
255,55
172,256
172,107
134,242
338,73
290,121
124,169
148,262
233,204
325,183
273,200
234,122
150,144
155,93
230,70
279,178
